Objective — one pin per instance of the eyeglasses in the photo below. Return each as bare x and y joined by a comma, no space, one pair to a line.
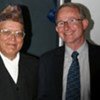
7,33
71,21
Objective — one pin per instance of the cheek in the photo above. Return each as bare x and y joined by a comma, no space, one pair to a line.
78,28
2,41
19,44
60,31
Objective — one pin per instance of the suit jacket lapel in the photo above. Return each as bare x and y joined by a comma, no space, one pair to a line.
21,76
59,70
91,62
94,70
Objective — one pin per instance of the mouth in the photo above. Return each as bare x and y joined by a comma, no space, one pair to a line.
12,45
68,33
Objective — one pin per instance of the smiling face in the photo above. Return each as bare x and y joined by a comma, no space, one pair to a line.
72,30
10,45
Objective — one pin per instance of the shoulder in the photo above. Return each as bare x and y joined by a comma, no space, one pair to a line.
29,63
52,53
28,58
52,56
94,47
94,51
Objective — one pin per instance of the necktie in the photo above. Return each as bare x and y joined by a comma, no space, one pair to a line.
73,79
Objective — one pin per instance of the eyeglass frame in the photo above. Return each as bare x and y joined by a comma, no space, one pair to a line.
2,31
70,21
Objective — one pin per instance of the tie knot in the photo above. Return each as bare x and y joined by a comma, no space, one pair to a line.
75,54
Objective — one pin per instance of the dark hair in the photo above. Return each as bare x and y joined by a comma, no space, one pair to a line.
11,12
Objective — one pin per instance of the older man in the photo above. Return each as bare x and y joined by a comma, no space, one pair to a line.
17,70
70,72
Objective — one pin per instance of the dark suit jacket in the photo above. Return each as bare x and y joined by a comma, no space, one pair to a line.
25,89
51,73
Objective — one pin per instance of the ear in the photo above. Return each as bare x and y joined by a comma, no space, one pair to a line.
56,28
85,23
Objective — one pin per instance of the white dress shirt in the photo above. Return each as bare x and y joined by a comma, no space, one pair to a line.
84,70
11,66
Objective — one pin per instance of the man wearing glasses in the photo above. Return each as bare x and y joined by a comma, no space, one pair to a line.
58,75
17,71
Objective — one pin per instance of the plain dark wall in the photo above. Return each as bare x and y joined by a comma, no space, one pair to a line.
43,36
40,32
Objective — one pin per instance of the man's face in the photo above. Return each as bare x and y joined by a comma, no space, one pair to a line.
10,43
70,26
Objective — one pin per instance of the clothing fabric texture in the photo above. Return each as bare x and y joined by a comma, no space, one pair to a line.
25,88
73,79
51,73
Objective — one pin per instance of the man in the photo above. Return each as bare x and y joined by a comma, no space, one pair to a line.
17,71
71,24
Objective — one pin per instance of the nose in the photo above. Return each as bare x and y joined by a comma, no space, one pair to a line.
66,25
12,37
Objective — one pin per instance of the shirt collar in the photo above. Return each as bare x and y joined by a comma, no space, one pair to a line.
15,60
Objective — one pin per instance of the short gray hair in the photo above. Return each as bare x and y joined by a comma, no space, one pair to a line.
83,10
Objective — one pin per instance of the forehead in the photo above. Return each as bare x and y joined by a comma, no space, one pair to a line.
12,25
68,12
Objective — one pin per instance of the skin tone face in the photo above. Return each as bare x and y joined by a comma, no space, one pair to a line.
10,45
72,34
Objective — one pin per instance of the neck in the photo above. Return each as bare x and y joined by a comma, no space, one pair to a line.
76,45
11,57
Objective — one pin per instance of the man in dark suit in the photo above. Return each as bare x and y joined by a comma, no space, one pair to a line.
71,23
17,71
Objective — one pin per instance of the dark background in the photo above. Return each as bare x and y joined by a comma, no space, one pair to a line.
43,36
40,31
